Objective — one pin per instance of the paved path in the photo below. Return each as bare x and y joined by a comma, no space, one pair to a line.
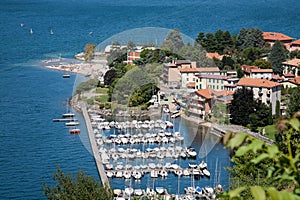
97,158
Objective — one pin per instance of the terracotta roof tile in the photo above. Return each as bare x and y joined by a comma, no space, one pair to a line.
206,93
262,70
289,75
273,36
214,55
200,69
257,82
295,80
223,93
248,68
296,42
191,84
294,62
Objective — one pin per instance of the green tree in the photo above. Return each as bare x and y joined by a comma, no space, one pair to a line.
277,113
249,38
277,56
110,76
280,177
131,45
262,64
295,54
242,106
261,117
79,187
173,42
293,104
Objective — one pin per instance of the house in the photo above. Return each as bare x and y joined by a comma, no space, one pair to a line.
261,73
295,45
271,37
214,55
215,82
172,72
291,66
232,73
291,83
189,74
247,69
267,91
200,103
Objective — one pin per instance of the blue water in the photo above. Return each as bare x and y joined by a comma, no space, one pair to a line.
31,145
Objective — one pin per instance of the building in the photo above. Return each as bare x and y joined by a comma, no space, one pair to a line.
247,70
133,55
291,66
172,75
215,55
291,83
295,45
261,73
200,103
271,37
189,74
267,91
215,82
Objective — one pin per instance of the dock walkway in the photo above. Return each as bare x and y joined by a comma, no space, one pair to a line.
94,148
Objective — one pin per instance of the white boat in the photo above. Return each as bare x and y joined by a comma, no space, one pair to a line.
163,173
67,115
117,192
154,174
202,165
150,192
31,31
178,172
109,174
138,192
128,191
206,172
186,172
127,174
119,174
160,190
136,174
191,152
72,123
51,32
192,165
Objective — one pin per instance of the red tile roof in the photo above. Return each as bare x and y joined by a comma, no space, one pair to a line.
289,75
206,93
214,55
191,84
223,93
294,62
295,80
273,36
262,70
200,69
248,68
296,42
257,82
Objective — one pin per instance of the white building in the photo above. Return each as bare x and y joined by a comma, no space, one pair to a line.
267,91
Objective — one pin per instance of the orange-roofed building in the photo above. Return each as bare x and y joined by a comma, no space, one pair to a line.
247,69
267,91
291,66
271,37
291,83
295,45
200,102
261,73
214,55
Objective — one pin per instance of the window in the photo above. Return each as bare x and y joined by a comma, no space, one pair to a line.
222,88
217,87
200,86
187,79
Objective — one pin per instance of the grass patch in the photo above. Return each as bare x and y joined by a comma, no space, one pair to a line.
102,99
101,90
270,131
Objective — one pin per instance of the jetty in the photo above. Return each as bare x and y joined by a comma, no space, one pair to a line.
94,148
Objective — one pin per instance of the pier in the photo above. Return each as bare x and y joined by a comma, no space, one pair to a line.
94,148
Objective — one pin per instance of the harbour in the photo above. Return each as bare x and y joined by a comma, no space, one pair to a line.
153,157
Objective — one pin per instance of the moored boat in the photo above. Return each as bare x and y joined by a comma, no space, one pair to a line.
75,131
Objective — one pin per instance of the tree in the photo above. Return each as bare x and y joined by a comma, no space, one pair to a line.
295,54
89,51
242,106
262,64
294,102
110,76
261,117
280,168
249,38
131,45
277,113
173,42
277,56
80,187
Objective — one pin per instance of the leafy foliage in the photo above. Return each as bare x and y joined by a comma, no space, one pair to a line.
262,64
249,38
173,42
85,86
282,166
242,106
294,101
277,56
80,187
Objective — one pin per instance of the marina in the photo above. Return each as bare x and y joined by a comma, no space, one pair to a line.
156,157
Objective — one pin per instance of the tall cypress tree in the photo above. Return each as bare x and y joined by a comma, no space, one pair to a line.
242,106
277,56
